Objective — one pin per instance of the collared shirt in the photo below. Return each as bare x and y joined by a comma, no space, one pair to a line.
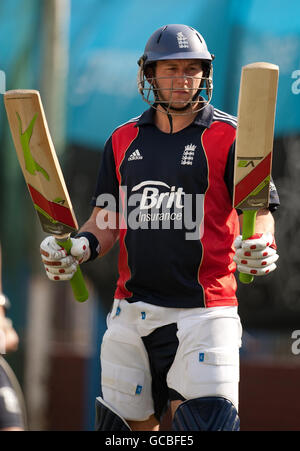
174,195
204,117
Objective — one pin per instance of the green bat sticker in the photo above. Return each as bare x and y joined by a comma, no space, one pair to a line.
31,165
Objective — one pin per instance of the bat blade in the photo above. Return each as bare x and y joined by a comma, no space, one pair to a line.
42,171
254,143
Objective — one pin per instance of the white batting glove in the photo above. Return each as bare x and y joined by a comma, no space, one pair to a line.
256,255
60,265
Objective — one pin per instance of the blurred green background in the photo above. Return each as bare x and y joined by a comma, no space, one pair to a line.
82,56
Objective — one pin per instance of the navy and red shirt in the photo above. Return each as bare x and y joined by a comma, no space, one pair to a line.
174,195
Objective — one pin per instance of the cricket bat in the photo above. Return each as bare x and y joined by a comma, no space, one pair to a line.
42,172
254,144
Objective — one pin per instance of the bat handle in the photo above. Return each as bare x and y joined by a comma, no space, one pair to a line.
249,217
77,282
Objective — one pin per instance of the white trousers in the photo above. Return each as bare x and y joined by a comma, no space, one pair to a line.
206,362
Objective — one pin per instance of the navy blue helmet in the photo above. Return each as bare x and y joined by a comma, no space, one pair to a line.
174,42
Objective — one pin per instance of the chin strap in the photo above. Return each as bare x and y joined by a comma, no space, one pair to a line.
171,122
184,108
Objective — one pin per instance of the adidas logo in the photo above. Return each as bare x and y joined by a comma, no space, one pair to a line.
136,155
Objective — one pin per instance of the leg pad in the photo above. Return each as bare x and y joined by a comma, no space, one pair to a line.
107,419
206,414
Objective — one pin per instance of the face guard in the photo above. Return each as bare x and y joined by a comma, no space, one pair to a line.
154,95
175,42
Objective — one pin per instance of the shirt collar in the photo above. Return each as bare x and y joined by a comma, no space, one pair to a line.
204,118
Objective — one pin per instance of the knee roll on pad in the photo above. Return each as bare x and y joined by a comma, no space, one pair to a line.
107,419
206,414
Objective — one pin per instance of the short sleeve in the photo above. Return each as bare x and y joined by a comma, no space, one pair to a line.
107,187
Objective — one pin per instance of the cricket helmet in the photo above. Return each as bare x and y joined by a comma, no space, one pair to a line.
174,42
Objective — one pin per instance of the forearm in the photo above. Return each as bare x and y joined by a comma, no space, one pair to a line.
104,226
264,222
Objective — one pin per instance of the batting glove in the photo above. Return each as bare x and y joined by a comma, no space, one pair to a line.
256,255
60,265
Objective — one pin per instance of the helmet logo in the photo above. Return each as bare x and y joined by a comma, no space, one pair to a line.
183,43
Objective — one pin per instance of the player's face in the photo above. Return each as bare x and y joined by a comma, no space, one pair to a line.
177,81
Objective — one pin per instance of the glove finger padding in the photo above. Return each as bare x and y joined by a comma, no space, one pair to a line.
50,249
256,271
59,265
55,273
256,262
64,262
62,269
258,241
255,255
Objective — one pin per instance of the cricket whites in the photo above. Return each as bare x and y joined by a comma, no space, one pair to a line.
42,172
254,143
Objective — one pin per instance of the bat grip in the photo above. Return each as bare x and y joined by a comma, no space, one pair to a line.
77,282
249,217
